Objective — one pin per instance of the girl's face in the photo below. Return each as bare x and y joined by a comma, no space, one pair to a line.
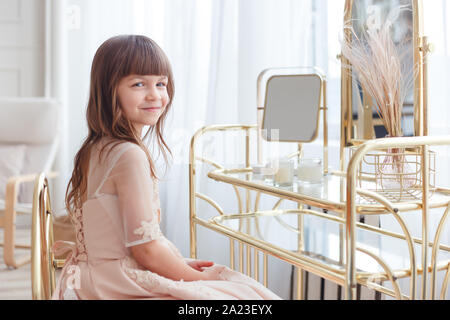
143,99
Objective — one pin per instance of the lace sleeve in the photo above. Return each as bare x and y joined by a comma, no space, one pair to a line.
135,191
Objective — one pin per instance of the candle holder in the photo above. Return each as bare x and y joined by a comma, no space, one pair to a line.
310,170
284,175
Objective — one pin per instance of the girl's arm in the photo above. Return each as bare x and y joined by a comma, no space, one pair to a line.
158,258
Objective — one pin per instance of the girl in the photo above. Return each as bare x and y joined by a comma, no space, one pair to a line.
112,196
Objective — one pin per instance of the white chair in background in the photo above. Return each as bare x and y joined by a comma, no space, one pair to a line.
29,131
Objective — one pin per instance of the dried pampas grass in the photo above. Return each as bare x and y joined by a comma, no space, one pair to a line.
383,68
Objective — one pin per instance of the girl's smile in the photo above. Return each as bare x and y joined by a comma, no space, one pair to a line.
152,109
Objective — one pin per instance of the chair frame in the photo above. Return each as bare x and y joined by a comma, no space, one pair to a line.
43,262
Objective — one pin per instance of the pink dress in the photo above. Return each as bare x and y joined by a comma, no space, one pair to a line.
122,209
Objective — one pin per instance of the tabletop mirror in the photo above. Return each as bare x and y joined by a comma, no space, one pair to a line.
291,104
360,120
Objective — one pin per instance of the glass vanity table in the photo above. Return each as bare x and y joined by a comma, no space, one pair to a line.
349,253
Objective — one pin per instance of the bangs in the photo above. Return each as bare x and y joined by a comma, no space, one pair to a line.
145,58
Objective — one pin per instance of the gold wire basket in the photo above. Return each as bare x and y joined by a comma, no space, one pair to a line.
396,173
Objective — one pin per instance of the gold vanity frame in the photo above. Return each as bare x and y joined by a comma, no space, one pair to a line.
347,209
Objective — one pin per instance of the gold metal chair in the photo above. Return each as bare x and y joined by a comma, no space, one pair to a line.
43,262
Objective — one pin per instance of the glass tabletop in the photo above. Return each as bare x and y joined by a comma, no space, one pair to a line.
324,241
329,193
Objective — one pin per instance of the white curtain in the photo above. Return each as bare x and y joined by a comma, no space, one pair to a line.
217,80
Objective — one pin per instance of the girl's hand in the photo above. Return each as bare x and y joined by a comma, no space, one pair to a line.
200,264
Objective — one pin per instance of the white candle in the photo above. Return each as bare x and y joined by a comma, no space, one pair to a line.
310,170
285,174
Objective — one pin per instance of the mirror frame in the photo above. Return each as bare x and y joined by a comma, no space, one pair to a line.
420,45
260,105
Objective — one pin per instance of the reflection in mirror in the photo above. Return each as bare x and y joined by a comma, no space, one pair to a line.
368,14
291,108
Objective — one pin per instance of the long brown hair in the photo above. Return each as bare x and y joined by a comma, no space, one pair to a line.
115,59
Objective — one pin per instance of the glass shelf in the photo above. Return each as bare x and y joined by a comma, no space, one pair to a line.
323,241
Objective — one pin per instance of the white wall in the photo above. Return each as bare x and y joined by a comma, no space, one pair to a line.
22,48
22,53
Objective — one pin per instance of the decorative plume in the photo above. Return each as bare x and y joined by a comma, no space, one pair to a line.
384,69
